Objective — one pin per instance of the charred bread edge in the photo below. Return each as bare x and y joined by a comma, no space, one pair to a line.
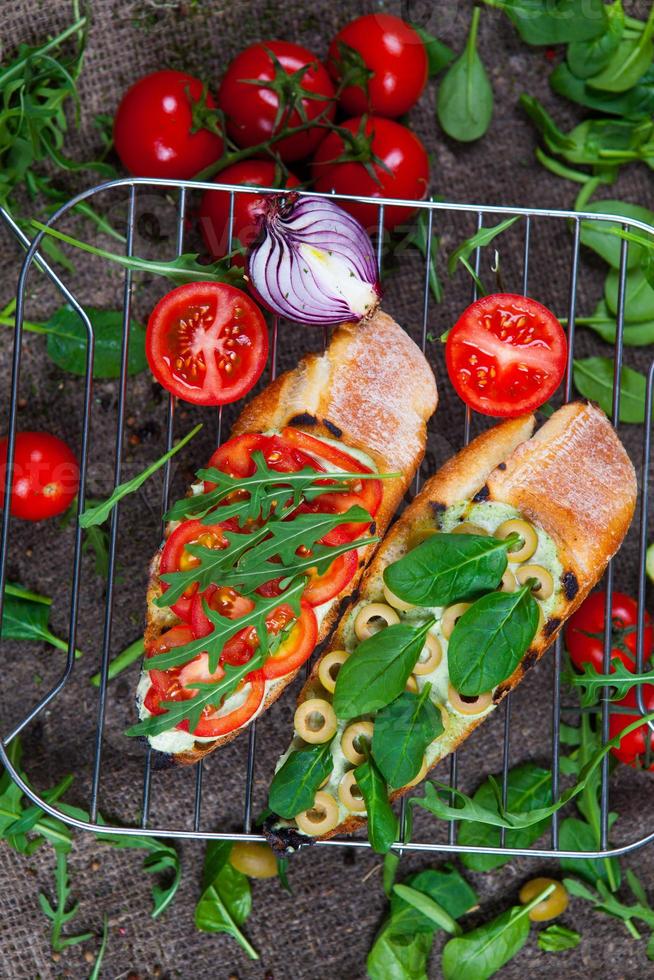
470,470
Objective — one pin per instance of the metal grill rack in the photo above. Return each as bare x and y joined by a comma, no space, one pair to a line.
180,190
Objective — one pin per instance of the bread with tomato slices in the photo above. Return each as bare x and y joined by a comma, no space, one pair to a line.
573,484
371,392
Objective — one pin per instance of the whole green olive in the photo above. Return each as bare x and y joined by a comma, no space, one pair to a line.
551,907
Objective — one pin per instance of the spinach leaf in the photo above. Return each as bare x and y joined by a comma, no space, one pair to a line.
490,639
226,900
439,55
556,938
448,568
589,56
636,102
465,96
529,788
481,238
378,670
28,620
399,957
593,377
554,22
66,344
296,782
599,235
602,322
391,863
480,953
382,823
443,885
402,732
630,61
639,295
428,908
577,835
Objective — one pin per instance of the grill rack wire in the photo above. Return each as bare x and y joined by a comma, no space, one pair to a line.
431,207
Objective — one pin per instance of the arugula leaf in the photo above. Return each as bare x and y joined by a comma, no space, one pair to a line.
297,781
529,787
418,238
557,938
383,827
402,732
99,513
226,899
555,22
590,681
448,568
61,911
161,858
67,342
603,901
593,378
377,672
97,966
465,95
28,620
490,639
480,239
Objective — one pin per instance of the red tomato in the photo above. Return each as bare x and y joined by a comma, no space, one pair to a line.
584,634
506,355
215,722
175,557
252,110
214,207
207,343
223,600
631,749
336,503
163,681
158,128
385,160
297,647
235,456
45,476
392,53
322,588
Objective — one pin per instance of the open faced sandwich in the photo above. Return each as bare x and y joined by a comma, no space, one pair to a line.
276,532
466,593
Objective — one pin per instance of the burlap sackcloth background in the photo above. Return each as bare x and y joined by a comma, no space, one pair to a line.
325,929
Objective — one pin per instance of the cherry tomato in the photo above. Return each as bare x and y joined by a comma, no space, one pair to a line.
297,647
506,355
214,207
158,128
631,749
175,557
394,70
226,601
253,111
207,343
385,160
235,456
584,634
45,476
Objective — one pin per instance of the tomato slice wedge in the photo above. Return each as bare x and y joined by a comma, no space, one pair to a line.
224,600
321,588
175,558
162,681
296,648
235,456
207,342
506,355
220,721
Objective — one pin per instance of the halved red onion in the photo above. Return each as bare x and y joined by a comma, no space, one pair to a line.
313,262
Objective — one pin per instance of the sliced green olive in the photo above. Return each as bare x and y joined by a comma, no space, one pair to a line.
467,527
349,793
469,706
420,534
352,739
365,625
395,601
315,721
451,616
329,667
551,907
527,535
430,657
544,582
319,818
254,860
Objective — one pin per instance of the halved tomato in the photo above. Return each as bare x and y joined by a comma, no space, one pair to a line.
207,342
506,355
322,588
162,681
175,558
235,456
220,721
297,647
222,599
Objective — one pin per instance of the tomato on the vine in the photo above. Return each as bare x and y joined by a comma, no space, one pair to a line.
207,343
159,131
632,747
584,633
381,158
214,206
45,476
387,61
506,355
286,96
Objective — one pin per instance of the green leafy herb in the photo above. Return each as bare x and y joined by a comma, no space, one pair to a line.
439,56
639,295
590,56
555,22
122,660
631,59
100,513
593,377
465,96
226,899
635,103
297,781
391,863
24,619
428,908
600,235
383,827
20,592
490,639
604,901
529,787
401,957
577,835
447,568
378,670
61,911
481,238
557,938
419,238
97,966
67,342
402,732
602,322
161,858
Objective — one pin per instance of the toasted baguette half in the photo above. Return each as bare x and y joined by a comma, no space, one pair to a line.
572,478
371,390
